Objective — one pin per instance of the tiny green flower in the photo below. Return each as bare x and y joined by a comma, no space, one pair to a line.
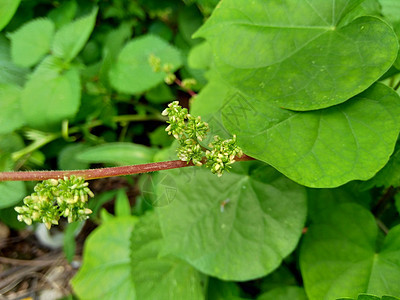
55,198
155,63
189,131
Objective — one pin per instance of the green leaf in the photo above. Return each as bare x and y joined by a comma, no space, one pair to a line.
297,54
160,277
72,37
11,192
10,107
237,227
122,205
63,14
284,293
222,290
9,72
162,30
118,153
34,38
160,94
106,270
11,142
200,56
339,256
324,148
189,20
209,104
391,10
69,246
113,44
51,95
319,200
67,159
282,276
388,176
7,11
132,72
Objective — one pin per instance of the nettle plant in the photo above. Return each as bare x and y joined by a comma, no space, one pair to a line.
301,94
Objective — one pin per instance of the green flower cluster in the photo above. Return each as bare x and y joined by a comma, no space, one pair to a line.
222,154
53,199
189,131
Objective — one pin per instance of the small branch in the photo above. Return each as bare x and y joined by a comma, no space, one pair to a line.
397,86
382,226
189,91
100,173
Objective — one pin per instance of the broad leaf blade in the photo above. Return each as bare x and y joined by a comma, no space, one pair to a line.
10,109
324,148
106,274
240,227
72,37
7,10
118,153
156,277
34,38
295,54
132,72
339,258
51,93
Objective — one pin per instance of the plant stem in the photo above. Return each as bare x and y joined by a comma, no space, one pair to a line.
189,91
100,173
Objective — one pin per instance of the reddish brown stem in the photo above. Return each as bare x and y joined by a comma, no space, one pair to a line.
189,91
100,173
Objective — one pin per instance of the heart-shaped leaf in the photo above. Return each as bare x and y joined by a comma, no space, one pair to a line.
324,148
239,227
340,257
106,272
132,73
156,277
299,54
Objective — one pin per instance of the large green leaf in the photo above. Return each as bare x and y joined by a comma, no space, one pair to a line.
132,72
340,257
156,277
51,95
7,10
237,227
10,108
31,42
299,54
118,153
324,148
284,293
72,37
106,270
